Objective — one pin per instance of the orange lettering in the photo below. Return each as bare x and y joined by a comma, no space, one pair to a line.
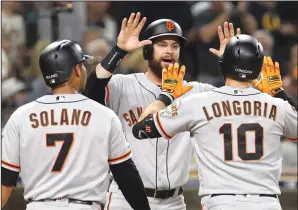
148,129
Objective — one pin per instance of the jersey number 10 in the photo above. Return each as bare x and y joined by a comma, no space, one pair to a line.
226,130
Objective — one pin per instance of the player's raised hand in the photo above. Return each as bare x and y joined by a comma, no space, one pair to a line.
128,38
172,81
224,37
269,80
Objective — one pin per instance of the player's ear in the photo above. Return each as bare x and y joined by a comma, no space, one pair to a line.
77,70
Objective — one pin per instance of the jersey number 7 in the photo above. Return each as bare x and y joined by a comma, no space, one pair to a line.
258,130
67,139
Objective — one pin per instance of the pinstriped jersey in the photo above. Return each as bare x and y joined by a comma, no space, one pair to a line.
237,135
162,164
63,145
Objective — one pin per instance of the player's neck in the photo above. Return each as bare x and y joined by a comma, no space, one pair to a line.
153,78
236,84
64,89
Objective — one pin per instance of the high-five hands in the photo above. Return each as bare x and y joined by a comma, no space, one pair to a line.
172,88
224,37
128,38
270,80
172,81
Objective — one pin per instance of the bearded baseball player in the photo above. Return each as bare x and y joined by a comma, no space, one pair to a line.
236,128
64,144
163,165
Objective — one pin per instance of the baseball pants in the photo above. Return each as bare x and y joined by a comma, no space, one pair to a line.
240,202
61,205
116,201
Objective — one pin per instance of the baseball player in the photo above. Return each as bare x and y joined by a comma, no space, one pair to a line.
64,144
236,128
163,165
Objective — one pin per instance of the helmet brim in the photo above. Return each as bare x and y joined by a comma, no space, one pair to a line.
181,38
88,59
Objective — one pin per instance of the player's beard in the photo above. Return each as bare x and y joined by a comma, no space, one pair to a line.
156,67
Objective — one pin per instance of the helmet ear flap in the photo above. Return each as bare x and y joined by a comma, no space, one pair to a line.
148,52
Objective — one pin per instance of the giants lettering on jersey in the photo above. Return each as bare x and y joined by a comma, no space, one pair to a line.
228,108
67,117
133,115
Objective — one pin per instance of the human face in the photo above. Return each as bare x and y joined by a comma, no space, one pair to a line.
166,51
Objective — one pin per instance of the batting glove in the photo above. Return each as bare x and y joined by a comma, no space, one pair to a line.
172,82
270,80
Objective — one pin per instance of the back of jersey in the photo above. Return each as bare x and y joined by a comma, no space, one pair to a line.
64,145
237,136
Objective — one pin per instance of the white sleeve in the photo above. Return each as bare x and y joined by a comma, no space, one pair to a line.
177,117
11,145
198,88
119,148
114,93
201,87
290,129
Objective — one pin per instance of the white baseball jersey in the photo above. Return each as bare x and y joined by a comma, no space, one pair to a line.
162,164
237,136
63,145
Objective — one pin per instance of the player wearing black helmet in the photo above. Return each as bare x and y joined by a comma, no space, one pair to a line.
236,129
65,144
59,60
163,171
242,59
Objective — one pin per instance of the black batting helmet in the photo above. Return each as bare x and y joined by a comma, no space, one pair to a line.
58,59
242,59
158,28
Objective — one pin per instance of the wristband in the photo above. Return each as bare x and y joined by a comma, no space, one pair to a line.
166,98
276,90
283,95
112,60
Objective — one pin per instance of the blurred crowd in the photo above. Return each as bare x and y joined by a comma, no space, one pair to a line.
27,28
